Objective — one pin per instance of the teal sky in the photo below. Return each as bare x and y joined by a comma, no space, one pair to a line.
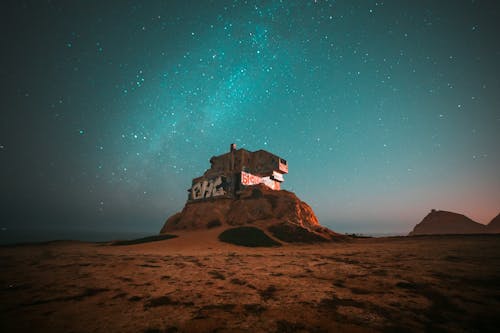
383,109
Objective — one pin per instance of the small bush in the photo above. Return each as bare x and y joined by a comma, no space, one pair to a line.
160,301
213,224
268,292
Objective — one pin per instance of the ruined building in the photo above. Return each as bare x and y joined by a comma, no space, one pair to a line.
231,172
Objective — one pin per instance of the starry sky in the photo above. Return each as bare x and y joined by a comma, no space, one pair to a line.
383,109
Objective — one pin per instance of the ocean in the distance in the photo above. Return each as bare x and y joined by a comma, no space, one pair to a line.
13,236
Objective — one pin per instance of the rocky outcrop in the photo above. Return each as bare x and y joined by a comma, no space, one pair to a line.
443,222
494,225
279,213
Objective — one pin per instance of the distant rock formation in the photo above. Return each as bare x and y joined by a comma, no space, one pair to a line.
443,222
494,225
278,213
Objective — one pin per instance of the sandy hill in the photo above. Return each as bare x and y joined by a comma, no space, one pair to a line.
258,215
443,222
494,225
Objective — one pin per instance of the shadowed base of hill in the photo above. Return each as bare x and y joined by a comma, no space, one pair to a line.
247,236
295,234
143,240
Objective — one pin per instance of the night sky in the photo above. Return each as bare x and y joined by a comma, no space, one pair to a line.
383,109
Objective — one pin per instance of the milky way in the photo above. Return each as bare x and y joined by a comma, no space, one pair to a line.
384,110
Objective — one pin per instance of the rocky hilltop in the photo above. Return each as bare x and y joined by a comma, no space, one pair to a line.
494,225
443,222
279,214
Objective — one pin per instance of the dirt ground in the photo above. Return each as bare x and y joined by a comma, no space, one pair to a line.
194,283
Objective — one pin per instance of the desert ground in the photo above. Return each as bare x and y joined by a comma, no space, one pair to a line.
194,283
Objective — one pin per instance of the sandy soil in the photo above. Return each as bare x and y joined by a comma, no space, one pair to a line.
196,284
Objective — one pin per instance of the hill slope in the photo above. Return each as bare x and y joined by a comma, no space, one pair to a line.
280,214
443,222
494,225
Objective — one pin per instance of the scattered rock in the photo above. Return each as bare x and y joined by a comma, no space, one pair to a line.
217,275
254,308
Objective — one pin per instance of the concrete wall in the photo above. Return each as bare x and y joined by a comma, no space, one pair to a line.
231,171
